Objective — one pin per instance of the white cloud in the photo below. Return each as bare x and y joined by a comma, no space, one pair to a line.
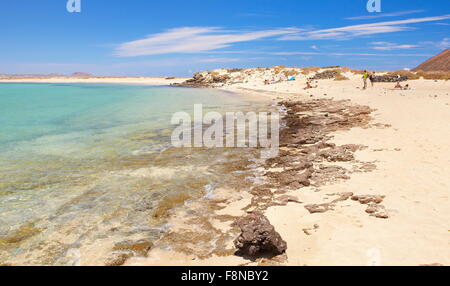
352,31
444,44
314,47
383,15
219,60
213,39
388,46
348,54
193,40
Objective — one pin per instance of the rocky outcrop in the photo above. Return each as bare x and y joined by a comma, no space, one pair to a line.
272,75
206,79
258,237
322,208
391,78
330,74
374,207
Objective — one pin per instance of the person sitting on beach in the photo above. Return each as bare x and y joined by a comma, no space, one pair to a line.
266,82
398,86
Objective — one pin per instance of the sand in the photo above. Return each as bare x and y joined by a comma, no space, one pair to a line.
412,158
411,154
411,151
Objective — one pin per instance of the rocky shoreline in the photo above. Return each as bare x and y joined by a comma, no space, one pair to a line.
307,159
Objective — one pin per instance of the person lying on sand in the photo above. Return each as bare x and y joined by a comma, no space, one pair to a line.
308,85
406,87
400,87
267,82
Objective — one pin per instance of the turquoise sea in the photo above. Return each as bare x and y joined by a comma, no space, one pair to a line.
83,166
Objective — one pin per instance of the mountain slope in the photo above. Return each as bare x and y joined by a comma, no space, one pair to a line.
440,62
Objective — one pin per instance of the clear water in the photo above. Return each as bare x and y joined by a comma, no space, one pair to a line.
83,166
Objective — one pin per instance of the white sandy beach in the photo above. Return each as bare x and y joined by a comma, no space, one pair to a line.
411,153
412,158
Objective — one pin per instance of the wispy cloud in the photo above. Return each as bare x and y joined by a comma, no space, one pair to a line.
383,15
256,14
186,40
348,54
348,32
442,45
388,46
219,60
193,40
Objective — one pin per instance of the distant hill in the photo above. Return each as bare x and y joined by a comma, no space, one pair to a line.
81,74
440,62
44,76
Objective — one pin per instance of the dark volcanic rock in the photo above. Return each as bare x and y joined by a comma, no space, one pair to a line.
367,199
293,178
319,208
390,78
326,75
373,205
258,237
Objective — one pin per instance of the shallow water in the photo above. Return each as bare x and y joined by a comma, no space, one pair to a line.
84,166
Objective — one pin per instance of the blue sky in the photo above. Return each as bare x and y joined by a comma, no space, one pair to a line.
161,38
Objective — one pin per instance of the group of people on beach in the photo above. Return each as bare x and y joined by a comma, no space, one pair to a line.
371,77
368,76
282,78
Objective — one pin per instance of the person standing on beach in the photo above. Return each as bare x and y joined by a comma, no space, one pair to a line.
365,77
372,78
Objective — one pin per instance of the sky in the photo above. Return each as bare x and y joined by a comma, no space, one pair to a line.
178,37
